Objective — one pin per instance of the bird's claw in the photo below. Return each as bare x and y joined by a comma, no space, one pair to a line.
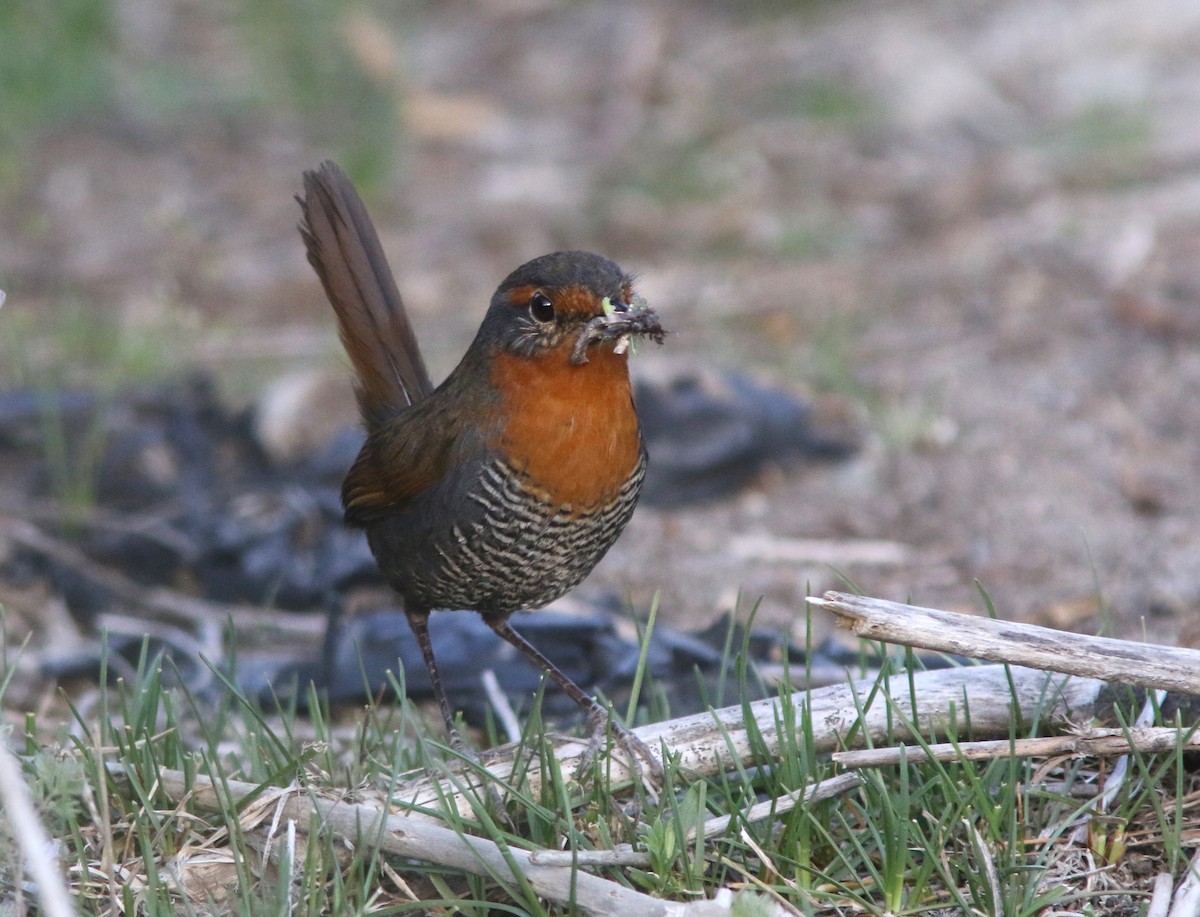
472,765
635,749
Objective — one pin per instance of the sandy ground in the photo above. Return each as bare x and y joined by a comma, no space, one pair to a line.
978,222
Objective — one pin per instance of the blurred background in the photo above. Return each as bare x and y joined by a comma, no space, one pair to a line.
971,227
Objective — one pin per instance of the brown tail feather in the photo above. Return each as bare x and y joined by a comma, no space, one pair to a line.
345,252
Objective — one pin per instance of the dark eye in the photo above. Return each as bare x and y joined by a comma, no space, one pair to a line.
541,308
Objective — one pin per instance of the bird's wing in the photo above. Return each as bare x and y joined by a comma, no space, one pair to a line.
401,459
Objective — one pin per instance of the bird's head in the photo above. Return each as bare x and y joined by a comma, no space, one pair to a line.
565,306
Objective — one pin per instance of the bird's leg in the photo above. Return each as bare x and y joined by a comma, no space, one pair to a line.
597,715
418,620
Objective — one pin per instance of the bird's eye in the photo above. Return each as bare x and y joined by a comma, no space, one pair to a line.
541,308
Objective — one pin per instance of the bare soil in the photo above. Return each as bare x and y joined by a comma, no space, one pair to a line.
978,223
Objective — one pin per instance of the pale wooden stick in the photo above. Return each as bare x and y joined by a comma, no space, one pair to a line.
1186,902
704,744
367,825
1146,664
625,855
1160,899
500,705
1092,742
709,743
32,839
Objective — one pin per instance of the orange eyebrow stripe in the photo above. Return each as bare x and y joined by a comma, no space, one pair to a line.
519,296
573,301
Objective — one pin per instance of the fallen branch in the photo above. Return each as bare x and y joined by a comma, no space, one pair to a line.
1147,664
625,855
31,837
868,711
1186,902
705,745
711,743
1160,899
1094,743
365,825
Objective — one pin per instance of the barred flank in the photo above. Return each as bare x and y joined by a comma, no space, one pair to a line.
525,552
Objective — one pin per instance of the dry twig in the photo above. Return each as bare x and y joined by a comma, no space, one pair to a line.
1125,661
625,855
709,743
32,838
1091,742
1186,902
366,825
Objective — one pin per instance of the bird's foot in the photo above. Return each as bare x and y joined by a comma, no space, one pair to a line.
635,749
472,764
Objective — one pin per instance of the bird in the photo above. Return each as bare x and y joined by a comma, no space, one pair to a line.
501,489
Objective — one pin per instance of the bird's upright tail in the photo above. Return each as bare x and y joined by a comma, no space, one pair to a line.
344,250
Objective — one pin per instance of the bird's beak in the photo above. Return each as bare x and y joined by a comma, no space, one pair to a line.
620,323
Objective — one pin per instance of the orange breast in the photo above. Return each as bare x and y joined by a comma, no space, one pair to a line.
572,429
